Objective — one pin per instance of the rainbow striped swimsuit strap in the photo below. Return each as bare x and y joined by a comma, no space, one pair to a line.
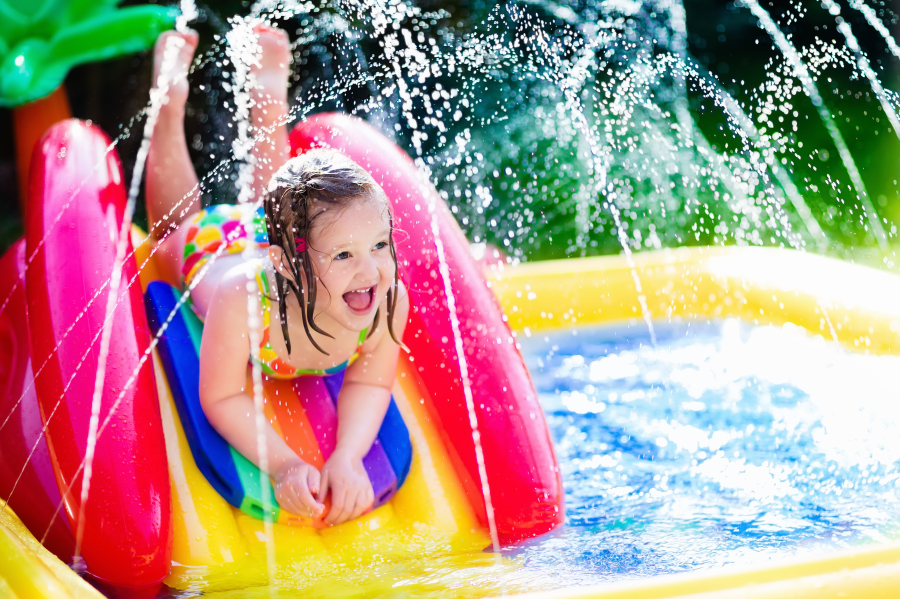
340,367
268,360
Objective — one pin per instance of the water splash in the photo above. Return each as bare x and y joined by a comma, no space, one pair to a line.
570,82
809,85
244,51
862,62
460,349
876,23
188,14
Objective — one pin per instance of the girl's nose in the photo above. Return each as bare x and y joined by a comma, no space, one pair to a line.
368,269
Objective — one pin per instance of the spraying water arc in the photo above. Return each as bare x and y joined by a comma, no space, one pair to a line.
793,57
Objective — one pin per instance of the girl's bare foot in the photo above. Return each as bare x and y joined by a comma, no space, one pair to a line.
273,69
174,52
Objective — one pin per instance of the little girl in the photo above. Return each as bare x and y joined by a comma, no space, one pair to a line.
321,251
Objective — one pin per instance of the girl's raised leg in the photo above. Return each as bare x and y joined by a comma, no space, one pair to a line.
171,185
270,107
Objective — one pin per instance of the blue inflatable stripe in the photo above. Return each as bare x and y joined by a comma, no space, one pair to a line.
394,437
180,359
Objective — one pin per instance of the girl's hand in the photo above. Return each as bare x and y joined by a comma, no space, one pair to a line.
296,484
351,491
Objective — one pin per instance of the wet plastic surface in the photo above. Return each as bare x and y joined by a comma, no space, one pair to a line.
77,199
27,479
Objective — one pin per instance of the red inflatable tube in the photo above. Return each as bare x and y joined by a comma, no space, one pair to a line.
522,471
76,205
25,463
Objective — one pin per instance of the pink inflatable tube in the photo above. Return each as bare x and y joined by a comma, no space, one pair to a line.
522,471
76,205
27,478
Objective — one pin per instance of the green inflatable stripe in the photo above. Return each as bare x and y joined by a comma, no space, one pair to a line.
254,504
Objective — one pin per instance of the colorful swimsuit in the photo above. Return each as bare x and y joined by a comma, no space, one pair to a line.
217,225
222,224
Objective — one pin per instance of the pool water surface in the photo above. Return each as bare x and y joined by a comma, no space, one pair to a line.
723,444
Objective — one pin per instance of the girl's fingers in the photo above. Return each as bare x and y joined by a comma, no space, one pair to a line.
295,498
323,487
350,500
285,498
290,505
352,510
338,505
301,489
368,501
313,478
361,505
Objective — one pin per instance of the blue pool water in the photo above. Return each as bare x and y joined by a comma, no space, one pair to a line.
723,444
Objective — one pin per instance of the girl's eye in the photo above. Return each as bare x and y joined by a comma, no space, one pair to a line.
342,256
381,245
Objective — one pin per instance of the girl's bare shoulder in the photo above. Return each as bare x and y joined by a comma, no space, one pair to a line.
237,284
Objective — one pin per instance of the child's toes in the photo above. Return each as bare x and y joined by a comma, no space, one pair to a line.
192,38
187,46
174,51
272,39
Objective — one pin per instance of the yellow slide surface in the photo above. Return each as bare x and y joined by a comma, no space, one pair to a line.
857,306
28,571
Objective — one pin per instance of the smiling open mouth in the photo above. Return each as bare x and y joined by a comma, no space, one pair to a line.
360,300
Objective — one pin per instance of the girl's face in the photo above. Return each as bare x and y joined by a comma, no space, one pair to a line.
350,250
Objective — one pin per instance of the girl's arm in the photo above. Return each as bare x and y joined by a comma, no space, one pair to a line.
224,353
362,404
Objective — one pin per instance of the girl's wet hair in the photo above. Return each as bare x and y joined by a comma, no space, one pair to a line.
300,192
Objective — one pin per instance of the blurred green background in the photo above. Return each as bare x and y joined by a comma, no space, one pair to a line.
523,181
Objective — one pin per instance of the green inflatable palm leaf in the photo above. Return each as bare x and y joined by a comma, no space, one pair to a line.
40,40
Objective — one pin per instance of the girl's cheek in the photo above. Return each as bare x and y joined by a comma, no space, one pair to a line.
386,263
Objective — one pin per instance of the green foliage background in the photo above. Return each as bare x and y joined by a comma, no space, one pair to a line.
524,174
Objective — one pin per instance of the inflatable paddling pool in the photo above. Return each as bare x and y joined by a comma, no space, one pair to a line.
853,305
216,546
166,497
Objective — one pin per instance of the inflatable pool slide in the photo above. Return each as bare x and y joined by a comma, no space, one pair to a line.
169,501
